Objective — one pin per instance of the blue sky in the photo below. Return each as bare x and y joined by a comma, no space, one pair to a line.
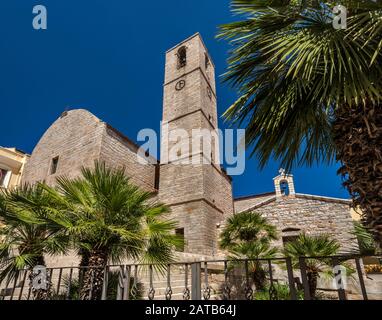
108,57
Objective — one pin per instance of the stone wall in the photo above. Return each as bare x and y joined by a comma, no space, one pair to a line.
313,217
200,222
75,138
218,189
118,152
78,138
246,203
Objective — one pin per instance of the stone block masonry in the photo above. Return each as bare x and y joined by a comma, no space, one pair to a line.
200,195
78,139
313,215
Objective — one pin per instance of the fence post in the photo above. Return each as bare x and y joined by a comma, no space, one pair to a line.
304,279
292,288
105,283
196,286
120,283
360,277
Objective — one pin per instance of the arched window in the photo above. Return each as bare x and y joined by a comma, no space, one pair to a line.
284,188
182,57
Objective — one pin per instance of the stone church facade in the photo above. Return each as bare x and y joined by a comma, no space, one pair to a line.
200,195
295,213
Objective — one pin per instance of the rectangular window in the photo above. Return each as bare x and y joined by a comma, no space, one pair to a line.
54,165
206,61
157,174
180,234
4,178
287,239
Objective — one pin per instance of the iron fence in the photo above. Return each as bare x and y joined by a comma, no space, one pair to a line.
249,279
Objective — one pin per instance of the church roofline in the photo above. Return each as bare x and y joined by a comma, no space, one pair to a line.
323,198
127,139
297,195
260,195
132,143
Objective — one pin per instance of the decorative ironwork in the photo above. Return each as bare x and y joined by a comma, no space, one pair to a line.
180,85
226,289
151,294
194,288
248,291
168,293
207,289
186,294
134,287
226,292
273,295
186,291
207,293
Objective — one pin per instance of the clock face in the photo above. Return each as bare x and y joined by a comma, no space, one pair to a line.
180,85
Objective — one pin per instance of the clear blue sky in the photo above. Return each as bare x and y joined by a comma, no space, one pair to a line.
108,57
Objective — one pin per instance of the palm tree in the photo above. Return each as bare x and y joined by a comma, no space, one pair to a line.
27,235
366,243
248,235
312,246
109,219
309,92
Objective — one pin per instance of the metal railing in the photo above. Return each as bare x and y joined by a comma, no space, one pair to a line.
249,279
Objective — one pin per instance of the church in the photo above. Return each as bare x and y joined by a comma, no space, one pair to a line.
199,195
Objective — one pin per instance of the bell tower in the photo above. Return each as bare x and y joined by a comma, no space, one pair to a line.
192,182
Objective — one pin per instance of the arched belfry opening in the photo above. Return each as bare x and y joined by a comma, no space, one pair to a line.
284,185
182,57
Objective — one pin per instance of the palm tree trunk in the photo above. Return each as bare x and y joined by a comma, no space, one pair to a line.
85,255
94,275
357,132
84,263
312,281
259,278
